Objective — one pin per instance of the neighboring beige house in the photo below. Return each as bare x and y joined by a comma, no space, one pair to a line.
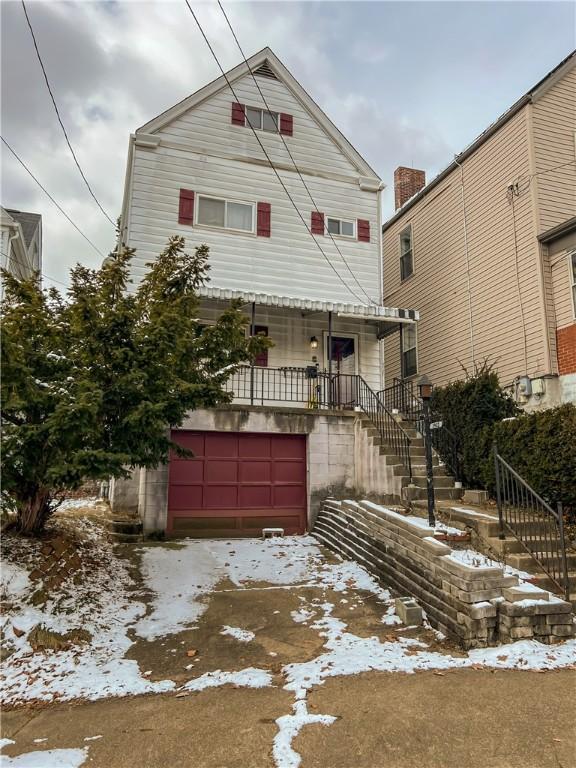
303,255
20,242
486,252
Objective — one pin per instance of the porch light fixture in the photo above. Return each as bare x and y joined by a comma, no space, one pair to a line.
313,342
425,388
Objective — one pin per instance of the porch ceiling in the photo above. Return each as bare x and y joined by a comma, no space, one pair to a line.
370,312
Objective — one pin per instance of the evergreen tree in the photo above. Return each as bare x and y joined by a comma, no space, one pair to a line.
92,384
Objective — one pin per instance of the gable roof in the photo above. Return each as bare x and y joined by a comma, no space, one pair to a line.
535,93
270,63
28,221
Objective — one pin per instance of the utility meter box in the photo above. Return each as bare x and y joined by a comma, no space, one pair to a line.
524,386
538,386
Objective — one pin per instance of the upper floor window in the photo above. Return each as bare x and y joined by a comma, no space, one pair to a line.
341,227
406,253
409,352
228,214
263,120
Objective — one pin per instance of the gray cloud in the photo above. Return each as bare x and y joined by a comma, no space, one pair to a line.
408,83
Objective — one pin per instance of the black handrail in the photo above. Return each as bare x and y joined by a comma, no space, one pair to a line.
536,525
401,396
311,388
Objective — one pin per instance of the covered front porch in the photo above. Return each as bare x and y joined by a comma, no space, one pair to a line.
322,353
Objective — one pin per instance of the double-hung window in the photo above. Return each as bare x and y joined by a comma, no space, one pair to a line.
341,227
263,120
228,214
406,253
409,353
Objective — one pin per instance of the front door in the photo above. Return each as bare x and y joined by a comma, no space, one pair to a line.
345,365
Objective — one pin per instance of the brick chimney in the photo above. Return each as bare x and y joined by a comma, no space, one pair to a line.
407,181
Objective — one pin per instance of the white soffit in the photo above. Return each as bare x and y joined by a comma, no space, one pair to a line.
341,309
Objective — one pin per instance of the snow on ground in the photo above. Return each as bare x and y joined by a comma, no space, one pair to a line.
243,635
48,758
100,603
251,677
474,559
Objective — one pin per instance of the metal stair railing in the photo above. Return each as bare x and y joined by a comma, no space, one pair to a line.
537,525
381,417
402,397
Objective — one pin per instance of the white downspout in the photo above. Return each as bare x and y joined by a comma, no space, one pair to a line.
467,255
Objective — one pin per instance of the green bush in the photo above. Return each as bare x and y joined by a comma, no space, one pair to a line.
466,408
541,447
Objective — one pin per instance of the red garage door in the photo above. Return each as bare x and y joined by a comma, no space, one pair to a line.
237,484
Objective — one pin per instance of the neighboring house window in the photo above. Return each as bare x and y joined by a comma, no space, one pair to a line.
409,355
263,120
573,279
406,253
228,214
340,227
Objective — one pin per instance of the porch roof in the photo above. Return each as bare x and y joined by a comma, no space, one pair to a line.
374,312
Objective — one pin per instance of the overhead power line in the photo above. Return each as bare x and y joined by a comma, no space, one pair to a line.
26,266
225,76
62,211
60,119
275,120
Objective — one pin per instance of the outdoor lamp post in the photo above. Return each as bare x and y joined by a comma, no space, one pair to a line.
313,342
425,392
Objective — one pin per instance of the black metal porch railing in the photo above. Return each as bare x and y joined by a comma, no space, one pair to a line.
401,396
310,388
537,525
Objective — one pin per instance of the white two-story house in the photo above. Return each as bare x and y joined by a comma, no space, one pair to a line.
291,213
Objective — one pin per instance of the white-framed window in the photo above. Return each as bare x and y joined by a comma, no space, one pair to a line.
572,267
408,344
341,227
406,253
262,120
227,214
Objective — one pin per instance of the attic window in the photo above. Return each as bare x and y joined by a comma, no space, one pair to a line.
265,71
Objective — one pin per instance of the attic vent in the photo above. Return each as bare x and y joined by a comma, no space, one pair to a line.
265,71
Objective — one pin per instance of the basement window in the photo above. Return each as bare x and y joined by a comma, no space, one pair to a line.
406,253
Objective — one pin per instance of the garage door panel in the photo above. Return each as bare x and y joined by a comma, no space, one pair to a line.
254,496
289,471
254,446
289,496
219,444
221,471
287,447
186,472
218,496
191,440
185,496
238,484
255,471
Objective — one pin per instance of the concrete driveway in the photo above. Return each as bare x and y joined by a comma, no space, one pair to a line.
278,654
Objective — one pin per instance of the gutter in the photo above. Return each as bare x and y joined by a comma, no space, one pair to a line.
558,231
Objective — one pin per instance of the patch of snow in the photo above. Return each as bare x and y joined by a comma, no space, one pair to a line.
301,616
473,513
243,635
14,581
39,741
78,503
92,738
526,654
251,677
49,758
475,559
289,726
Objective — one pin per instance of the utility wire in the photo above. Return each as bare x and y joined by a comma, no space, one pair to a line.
27,266
225,76
62,211
59,118
275,120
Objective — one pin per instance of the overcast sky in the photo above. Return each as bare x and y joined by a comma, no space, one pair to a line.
409,83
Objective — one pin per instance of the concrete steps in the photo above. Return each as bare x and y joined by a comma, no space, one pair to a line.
125,530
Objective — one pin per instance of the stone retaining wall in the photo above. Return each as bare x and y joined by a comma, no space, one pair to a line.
475,603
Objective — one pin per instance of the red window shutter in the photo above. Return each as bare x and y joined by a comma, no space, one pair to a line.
261,358
286,124
317,223
238,116
363,230
264,219
186,207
